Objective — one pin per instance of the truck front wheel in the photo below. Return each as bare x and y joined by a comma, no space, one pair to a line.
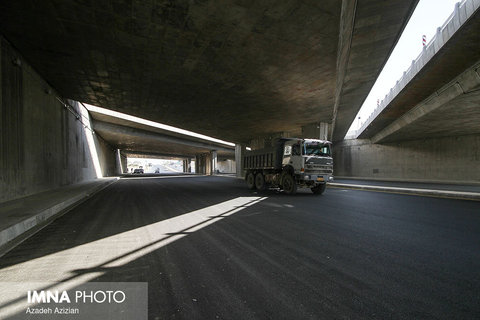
319,189
250,180
288,184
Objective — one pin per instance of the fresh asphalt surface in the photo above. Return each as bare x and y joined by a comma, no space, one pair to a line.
347,254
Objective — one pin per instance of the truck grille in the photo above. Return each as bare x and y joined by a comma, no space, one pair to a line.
318,168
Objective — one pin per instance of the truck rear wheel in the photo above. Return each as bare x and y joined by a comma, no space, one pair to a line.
260,181
250,180
319,189
288,184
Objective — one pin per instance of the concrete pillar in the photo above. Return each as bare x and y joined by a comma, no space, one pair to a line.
123,161
118,162
207,158
197,164
213,160
316,131
324,128
239,152
202,164
187,166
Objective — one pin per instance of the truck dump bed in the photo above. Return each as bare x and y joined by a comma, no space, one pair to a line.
268,158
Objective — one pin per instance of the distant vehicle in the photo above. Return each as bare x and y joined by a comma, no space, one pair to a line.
138,171
291,162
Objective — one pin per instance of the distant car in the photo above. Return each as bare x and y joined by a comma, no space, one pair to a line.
138,171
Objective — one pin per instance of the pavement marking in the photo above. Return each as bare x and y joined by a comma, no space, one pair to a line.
472,196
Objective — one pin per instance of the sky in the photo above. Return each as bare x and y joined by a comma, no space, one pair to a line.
427,17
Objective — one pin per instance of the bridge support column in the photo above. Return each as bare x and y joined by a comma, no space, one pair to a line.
239,152
203,164
324,131
213,159
187,166
198,164
120,162
316,131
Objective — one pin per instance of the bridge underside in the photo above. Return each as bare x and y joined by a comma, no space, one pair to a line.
236,70
132,137
442,99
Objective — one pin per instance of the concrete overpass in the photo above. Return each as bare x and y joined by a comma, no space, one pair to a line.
441,85
246,72
433,106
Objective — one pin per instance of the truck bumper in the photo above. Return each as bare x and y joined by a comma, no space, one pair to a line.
314,179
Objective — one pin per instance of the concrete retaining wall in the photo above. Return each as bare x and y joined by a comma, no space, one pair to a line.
42,144
451,159
226,166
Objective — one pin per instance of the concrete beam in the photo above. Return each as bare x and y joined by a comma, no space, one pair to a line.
155,155
143,134
369,31
461,93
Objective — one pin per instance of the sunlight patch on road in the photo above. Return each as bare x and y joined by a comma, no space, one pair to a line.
77,265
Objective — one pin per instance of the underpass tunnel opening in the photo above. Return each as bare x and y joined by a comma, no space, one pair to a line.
161,165
148,147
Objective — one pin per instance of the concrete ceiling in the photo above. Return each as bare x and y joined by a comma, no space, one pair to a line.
235,70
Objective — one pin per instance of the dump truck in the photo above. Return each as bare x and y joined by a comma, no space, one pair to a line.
289,164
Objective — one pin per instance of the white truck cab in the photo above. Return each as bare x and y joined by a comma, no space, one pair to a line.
311,160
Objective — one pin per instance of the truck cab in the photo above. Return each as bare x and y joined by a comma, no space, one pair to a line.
310,161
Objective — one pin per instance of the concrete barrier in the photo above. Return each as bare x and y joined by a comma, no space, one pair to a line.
22,218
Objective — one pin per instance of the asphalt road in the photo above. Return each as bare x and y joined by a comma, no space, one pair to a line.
211,249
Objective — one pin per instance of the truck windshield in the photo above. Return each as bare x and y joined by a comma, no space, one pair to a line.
316,149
